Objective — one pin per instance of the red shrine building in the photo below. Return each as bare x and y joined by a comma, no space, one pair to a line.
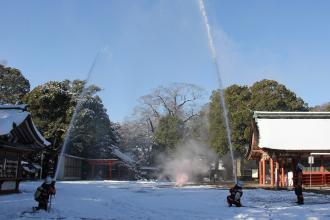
78,168
282,139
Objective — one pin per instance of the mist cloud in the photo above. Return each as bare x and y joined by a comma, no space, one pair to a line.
190,162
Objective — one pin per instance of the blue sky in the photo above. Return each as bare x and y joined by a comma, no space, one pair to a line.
155,42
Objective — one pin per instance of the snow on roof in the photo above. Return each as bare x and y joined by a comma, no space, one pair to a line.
288,115
15,115
121,155
22,107
9,117
47,143
293,130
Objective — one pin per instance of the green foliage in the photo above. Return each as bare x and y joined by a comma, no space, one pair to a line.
240,116
169,132
13,85
217,130
92,133
52,106
49,105
197,127
269,95
168,113
241,101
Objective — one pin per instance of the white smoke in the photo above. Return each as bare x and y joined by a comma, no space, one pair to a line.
190,162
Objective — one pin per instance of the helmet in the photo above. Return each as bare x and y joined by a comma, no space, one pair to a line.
48,180
239,183
299,166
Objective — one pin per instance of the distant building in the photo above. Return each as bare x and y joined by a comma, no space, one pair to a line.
79,168
18,138
282,139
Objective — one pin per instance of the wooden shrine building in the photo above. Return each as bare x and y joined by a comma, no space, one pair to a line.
282,139
79,168
18,138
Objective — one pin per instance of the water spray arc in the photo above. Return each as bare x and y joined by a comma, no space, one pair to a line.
75,113
221,91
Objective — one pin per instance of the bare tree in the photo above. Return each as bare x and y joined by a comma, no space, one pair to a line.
179,100
136,139
320,108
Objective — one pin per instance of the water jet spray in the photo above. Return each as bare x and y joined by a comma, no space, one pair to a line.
77,109
218,72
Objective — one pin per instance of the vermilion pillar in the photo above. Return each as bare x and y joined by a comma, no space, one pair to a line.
282,175
277,173
271,162
260,172
264,171
322,171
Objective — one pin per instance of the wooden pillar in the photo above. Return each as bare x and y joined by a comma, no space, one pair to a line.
271,162
110,169
277,170
264,172
282,174
260,172
18,171
322,171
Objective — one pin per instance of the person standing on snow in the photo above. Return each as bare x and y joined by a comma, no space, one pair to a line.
298,181
235,195
43,192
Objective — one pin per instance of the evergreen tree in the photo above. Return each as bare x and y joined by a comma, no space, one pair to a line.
52,106
92,134
240,116
13,85
165,114
198,127
241,101
168,133
269,95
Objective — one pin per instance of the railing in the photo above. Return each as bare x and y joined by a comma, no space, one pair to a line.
9,169
316,178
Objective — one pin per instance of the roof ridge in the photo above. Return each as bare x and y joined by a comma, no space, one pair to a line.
22,107
289,115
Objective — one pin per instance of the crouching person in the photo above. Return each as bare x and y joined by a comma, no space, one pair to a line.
43,192
235,195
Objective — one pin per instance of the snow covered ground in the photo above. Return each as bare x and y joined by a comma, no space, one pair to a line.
160,201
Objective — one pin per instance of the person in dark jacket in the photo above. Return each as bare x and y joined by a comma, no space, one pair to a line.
235,195
298,181
43,192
